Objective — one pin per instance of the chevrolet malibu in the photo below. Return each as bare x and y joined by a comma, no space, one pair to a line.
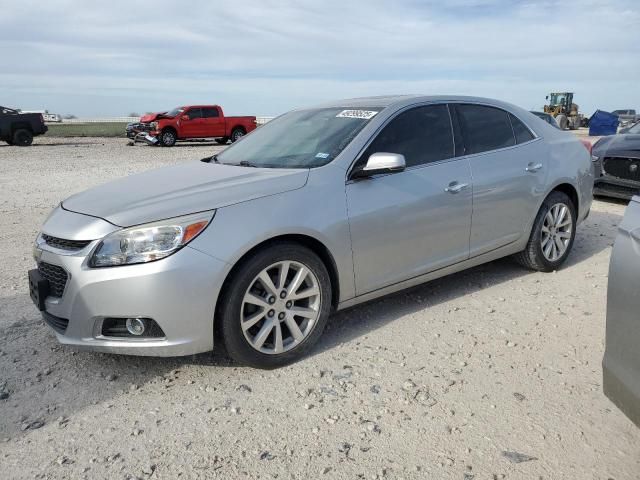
320,209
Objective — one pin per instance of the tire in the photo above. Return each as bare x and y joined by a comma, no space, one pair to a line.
222,141
535,255
168,138
22,137
237,134
256,344
562,122
9,142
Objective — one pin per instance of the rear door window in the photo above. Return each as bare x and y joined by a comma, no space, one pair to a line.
485,128
210,112
422,135
522,133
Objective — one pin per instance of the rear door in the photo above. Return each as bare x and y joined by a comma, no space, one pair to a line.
213,124
409,223
193,127
509,175
621,364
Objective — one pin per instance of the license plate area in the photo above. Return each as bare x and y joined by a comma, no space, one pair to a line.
38,289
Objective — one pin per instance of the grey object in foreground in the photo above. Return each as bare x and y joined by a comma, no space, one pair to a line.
616,164
320,209
621,364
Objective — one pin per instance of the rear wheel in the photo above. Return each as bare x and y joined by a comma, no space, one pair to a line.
275,307
222,141
22,137
168,138
552,235
237,134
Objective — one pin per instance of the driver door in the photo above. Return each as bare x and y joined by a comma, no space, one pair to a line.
191,128
409,223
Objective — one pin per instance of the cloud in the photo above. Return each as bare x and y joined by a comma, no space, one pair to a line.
269,56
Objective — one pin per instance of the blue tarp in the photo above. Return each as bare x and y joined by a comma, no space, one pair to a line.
603,123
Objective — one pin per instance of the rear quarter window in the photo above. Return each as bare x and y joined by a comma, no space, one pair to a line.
522,133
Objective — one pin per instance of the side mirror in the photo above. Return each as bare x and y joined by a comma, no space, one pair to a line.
547,97
381,162
185,118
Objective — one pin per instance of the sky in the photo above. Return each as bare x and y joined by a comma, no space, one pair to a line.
265,57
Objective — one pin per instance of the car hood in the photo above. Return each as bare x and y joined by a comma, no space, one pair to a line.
150,117
626,145
180,190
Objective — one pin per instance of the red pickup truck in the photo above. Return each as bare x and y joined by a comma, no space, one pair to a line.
194,121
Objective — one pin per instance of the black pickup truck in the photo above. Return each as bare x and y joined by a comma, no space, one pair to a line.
19,128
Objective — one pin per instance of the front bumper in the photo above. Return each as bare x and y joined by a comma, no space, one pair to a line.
609,186
178,292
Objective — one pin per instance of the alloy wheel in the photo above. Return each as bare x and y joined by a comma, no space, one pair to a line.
556,232
281,307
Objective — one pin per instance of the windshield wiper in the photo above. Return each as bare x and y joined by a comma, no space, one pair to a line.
246,163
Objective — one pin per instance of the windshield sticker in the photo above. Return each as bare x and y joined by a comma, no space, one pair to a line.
322,155
363,114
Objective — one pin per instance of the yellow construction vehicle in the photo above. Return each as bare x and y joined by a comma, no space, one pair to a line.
562,108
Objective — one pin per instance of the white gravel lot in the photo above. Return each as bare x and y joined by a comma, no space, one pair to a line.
436,382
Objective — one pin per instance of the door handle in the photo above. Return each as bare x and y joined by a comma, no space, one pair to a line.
455,187
533,167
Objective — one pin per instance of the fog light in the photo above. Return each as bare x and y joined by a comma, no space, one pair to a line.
135,326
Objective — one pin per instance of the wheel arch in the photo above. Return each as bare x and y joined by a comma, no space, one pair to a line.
238,127
312,243
570,191
19,126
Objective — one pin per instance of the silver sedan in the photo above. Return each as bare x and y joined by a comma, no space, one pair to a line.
321,209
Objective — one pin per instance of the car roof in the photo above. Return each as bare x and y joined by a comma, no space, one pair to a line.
404,100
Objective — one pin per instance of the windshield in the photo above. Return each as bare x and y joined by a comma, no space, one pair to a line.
557,99
175,112
299,139
635,129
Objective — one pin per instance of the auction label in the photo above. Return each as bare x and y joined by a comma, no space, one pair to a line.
364,114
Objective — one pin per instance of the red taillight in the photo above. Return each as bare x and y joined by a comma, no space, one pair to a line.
587,144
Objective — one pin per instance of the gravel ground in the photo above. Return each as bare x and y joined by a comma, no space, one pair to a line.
487,374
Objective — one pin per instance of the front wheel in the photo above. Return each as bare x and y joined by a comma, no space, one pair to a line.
22,137
168,138
275,306
552,235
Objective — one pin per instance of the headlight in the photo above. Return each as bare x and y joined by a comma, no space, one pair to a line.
154,125
595,158
146,243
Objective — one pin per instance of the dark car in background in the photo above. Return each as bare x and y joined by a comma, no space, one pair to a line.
18,128
616,163
547,118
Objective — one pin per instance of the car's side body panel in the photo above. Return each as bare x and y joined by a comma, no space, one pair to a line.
621,363
406,224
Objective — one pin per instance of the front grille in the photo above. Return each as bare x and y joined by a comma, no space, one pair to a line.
65,244
624,168
57,323
57,278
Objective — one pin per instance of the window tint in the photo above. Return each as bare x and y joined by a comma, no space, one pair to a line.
422,135
209,112
522,133
486,128
194,113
